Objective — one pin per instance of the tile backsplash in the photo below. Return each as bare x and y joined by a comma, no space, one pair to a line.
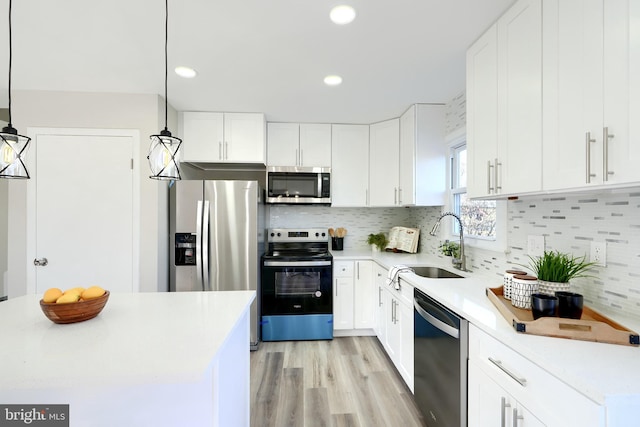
569,224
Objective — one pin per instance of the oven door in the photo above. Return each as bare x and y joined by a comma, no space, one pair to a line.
296,287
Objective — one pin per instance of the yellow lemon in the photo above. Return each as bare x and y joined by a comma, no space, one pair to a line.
78,290
51,295
93,292
67,298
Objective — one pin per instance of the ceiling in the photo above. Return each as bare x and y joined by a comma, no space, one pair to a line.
251,55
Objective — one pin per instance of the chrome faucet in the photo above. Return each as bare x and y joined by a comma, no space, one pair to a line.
459,263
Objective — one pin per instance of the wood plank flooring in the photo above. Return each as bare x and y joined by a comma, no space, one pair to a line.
347,381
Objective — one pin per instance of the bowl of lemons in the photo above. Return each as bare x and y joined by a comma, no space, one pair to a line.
73,305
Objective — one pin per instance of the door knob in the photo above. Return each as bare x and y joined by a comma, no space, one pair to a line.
40,262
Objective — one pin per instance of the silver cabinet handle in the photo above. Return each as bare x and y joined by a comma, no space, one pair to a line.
395,196
489,187
336,287
220,155
297,157
40,262
226,150
399,196
503,413
358,270
301,158
516,417
498,363
589,141
495,171
606,136
379,297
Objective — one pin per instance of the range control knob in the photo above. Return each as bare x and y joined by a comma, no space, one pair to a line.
323,234
273,234
317,234
279,234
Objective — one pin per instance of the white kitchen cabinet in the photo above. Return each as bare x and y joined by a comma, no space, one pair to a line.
504,96
354,296
591,93
364,295
304,144
343,295
489,404
349,165
222,137
423,156
396,328
384,163
498,376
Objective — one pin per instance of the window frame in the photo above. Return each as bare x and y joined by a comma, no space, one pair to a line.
454,142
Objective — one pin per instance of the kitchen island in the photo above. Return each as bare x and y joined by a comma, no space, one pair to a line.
161,359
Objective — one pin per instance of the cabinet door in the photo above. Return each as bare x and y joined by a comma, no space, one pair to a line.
482,113
384,163
343,303
406,321
349,165
393,338
519,166
315,145
621,91
408,128
573,44
202,136
244,139
364,295
282,144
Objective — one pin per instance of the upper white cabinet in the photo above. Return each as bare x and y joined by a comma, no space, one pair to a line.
423,156
223,137
384,163
504,99
304,144
591,93
349,165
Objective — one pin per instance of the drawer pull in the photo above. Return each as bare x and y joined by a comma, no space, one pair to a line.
498,363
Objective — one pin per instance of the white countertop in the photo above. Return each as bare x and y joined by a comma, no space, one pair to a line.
139,338
603,372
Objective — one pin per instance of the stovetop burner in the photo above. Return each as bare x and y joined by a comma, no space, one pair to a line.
298,244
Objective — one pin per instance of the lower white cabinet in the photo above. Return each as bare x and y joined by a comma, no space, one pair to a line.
507,389
395,327
353,295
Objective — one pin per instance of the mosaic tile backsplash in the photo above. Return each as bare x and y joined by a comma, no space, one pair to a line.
568,223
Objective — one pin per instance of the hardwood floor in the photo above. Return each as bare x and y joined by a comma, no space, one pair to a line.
344,382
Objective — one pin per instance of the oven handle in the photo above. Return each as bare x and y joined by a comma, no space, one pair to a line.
296,263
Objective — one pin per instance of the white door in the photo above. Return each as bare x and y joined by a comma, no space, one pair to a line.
84,211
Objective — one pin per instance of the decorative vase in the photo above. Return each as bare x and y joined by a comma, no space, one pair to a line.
522,287
550,288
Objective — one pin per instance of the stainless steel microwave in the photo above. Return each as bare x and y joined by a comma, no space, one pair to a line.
298,185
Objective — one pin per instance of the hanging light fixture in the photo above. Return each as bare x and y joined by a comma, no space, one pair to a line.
164,152
13,147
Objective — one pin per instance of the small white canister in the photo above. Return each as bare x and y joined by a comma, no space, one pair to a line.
521,289
508,281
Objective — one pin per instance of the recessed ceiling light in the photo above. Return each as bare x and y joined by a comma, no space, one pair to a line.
186,72
342,14
332,80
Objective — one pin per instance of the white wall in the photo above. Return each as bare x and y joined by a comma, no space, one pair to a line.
4,224
100,111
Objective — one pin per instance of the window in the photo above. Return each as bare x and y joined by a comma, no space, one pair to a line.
479,217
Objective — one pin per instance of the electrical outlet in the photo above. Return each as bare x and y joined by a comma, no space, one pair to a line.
599,253
535,245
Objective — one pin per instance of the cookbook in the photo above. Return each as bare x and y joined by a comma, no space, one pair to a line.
403,239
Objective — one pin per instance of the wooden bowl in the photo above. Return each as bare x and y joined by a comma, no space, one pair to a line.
74,311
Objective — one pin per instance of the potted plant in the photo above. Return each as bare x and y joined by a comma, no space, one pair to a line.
555,269
449,248
378,241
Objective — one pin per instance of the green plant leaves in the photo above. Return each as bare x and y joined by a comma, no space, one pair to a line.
559,267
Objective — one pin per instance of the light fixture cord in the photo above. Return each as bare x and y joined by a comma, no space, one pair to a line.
166,61
10,55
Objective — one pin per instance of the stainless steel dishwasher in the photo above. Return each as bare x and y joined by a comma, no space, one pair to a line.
441,352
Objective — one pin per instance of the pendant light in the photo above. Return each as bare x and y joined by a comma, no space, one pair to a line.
164,151
13,147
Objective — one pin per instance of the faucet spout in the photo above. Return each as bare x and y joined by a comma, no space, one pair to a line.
461,262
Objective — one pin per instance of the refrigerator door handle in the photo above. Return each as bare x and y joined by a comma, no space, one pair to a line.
199,242
205,246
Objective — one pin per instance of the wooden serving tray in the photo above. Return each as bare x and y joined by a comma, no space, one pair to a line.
593,326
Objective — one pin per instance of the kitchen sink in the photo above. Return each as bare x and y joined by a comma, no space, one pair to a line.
435,273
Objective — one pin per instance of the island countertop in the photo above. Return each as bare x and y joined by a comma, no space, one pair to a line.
139,340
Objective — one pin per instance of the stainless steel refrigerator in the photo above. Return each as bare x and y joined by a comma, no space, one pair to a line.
216,231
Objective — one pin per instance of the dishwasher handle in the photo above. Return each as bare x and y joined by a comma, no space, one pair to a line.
437,323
